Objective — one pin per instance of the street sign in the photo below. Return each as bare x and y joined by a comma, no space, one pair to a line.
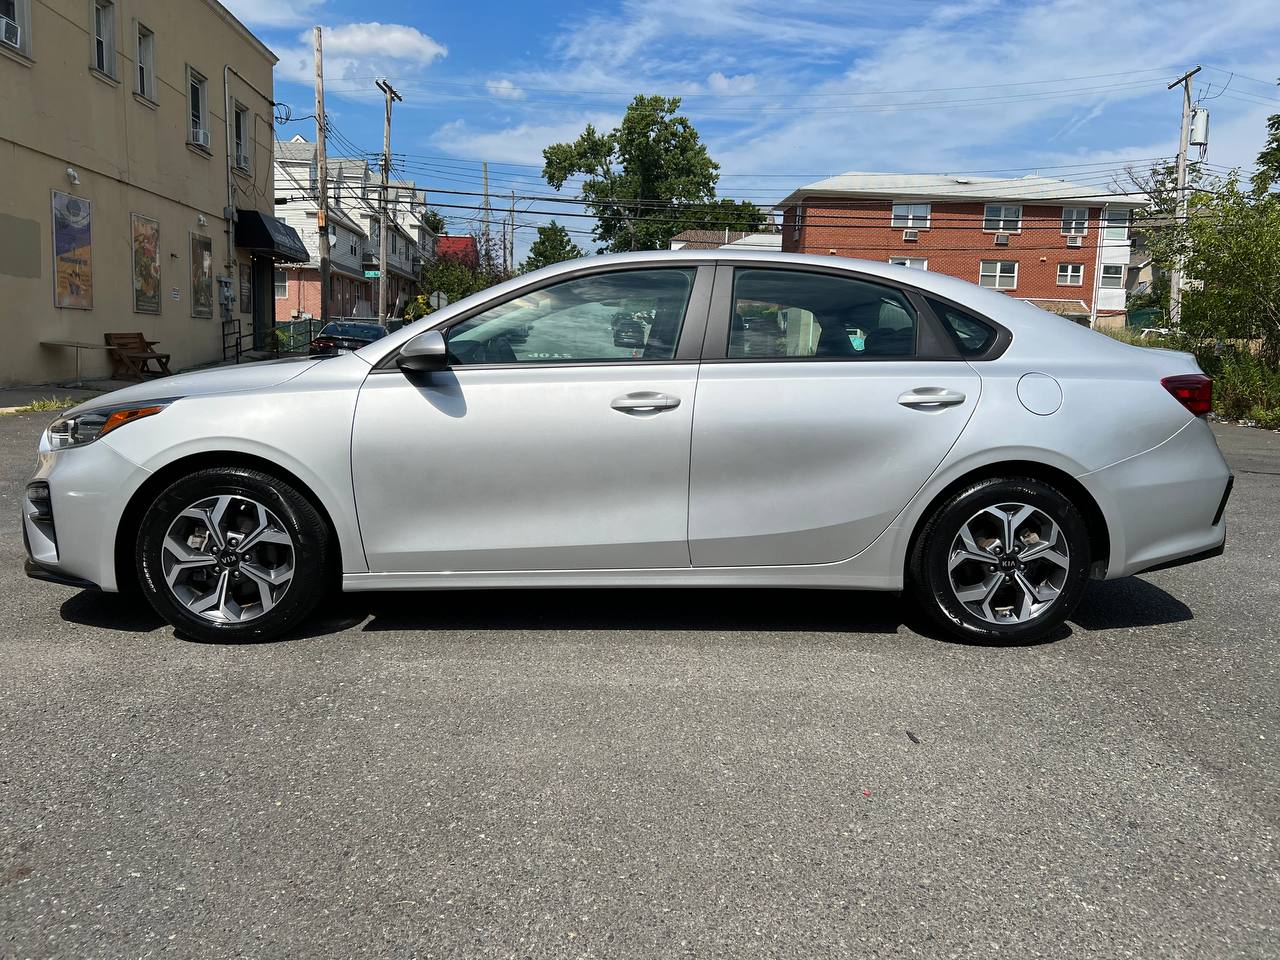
372,274
438,301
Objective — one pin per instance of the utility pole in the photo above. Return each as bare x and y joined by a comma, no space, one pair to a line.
1175,275
391,94
511,235
487,253
322,174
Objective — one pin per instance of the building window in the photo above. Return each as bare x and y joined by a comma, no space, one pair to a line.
1112,275
354,252
913,216
394,245
1115,224
1001,218
915,263
146,63
281,285
798,222
240,131
1075,221
104,38
198,102
15,24
998,274
1070,274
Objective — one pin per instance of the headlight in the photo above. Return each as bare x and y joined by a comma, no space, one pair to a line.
88,426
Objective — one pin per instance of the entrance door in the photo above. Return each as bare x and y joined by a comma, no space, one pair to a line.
263,300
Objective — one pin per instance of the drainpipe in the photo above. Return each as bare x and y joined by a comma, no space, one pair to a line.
1097,269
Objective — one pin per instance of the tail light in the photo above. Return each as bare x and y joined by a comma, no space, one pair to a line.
1193,390
324,343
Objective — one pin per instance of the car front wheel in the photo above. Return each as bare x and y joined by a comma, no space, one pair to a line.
232,554
1003,560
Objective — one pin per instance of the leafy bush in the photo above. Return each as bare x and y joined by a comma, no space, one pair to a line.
1246,386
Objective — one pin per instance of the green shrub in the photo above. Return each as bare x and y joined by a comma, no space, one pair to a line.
1246,386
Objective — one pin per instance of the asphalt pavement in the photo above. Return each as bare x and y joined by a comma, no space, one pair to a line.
648,773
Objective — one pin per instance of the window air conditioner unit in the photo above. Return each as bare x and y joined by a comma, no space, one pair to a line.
910,234
1002,239
12,33
200,137
242,161
1075,241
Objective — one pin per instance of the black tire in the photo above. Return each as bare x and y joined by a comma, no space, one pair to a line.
929,577
311,553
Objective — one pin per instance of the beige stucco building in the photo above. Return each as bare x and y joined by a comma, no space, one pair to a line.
136,139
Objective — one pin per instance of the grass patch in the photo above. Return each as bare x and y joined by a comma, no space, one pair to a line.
46,404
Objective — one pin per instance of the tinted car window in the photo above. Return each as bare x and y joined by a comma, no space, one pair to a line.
788,314
626,315
970,335
354,331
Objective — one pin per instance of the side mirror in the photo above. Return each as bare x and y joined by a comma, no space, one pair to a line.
424,353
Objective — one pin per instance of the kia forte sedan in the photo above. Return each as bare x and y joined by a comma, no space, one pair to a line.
771,420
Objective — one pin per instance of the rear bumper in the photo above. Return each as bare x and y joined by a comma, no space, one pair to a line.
1164,507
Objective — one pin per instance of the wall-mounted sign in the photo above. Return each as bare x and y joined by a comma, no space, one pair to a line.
146,264
174,294
201,276
246,288
72,252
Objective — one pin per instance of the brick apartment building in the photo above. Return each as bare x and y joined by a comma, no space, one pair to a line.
1063,246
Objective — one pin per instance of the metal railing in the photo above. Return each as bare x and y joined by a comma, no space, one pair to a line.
293,336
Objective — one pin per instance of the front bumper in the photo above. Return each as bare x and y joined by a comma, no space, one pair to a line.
89,488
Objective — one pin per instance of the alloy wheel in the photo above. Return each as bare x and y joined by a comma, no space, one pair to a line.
1009,563
228,559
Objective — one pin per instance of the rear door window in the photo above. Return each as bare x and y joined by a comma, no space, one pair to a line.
793,314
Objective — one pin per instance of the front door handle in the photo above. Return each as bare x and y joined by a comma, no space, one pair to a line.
931,397
645,401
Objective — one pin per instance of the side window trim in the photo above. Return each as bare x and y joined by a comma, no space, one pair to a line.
932,343
688,347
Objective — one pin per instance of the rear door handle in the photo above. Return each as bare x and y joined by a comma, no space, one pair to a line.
931,397
645,401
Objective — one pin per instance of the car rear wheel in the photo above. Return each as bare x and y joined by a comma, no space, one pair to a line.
1003,560
232,554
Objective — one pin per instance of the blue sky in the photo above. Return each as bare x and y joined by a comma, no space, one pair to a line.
783,93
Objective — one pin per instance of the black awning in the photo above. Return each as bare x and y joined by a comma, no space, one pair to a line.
262,233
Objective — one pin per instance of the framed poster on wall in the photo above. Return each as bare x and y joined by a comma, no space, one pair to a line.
146,263
72,252
246,288
201,276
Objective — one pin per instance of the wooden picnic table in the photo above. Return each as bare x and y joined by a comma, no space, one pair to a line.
77,345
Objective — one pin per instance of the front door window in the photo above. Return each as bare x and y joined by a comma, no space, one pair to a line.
608,317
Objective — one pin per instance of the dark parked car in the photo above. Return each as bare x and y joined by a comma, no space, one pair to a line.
346,336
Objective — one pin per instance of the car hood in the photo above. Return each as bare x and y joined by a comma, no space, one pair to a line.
233,379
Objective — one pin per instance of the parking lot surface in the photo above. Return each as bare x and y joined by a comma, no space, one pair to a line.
648,773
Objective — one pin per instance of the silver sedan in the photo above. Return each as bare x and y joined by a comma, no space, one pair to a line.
696,418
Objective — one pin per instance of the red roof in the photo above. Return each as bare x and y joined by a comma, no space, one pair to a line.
459,248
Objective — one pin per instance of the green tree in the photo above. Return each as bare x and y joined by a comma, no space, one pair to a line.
647,179
433,221
552,246
1233,241
452,277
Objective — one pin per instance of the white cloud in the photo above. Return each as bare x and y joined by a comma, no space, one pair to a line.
522,143
361,50
504,89
717,82
274,13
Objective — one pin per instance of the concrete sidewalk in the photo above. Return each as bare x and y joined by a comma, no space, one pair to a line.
15,398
